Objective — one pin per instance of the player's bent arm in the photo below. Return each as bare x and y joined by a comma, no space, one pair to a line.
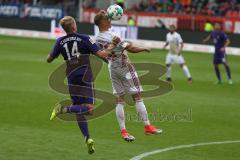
227,43
165,45
180,48
206,39
50,59
103,54
104,59
134,49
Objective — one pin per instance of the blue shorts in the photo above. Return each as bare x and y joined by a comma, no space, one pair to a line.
81,89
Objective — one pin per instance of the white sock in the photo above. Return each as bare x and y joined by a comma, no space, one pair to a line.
141,109
186,71
168,72
120,115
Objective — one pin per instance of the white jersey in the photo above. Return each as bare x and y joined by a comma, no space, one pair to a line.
103,39
123,75
174,40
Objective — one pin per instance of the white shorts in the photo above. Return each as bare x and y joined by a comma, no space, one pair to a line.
125,80
174,58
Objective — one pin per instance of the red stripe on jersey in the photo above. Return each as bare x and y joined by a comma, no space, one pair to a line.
134,78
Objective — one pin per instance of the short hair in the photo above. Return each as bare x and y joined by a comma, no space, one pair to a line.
172,25
66,23
98,17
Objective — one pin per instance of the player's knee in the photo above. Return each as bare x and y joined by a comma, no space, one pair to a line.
226,64
90,109
216,65
137,97
120,99
182,65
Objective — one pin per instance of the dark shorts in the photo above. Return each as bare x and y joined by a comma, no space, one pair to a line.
80,85
219,59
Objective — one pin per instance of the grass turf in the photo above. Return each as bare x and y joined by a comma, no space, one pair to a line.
26,102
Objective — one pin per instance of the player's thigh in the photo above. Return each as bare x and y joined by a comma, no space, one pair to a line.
85,96
219,60
179,59
169,59
81,92
130,80
117,84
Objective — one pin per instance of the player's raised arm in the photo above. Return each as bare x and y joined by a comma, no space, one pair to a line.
135,49
206,39
108,51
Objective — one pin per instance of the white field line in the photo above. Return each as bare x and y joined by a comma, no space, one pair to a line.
146,154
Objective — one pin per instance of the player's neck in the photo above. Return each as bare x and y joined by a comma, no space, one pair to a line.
70,32
103,29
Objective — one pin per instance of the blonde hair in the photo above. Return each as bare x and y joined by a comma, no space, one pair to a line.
67,23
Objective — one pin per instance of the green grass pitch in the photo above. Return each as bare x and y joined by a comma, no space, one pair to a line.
26,102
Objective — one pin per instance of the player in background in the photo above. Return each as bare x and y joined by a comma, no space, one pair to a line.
174,40
78,73
123,75
221,41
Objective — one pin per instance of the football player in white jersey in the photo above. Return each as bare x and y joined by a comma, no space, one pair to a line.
175,42
123,75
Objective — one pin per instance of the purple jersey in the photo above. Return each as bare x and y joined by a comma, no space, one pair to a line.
74,45
219,39
75,49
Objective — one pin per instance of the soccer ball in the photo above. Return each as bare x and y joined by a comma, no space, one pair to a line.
115,12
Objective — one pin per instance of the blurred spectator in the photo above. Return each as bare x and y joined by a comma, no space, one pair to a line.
131,22
208,27
88,4
228,8
120,3
193,7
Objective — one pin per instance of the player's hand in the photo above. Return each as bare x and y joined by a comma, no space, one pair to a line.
147,50
179,51
116,40
222,49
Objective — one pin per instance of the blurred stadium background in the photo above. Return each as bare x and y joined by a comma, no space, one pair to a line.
145,19
202,112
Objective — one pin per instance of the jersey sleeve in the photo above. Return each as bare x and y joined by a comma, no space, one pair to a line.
167,40
56,50
224,36
180,40
91,45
